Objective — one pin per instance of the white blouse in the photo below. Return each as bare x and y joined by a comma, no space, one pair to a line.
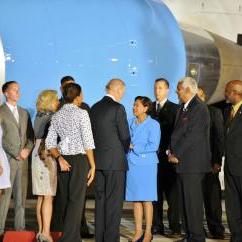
73,127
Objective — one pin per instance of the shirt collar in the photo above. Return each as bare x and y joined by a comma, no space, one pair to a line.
11,107
237,106
187,103
111,96
162,103
69,105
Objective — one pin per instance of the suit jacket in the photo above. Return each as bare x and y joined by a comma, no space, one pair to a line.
216,135
16,136
190,138
166,118
145,138
233,143
111,134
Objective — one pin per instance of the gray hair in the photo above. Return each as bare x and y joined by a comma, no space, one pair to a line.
189,82
114,83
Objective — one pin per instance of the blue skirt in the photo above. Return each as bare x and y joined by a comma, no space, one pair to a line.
141,183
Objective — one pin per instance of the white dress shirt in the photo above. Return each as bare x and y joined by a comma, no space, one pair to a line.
162,103
187,103
111,96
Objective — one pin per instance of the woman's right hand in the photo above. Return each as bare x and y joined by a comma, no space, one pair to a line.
90,176
64,165
1,170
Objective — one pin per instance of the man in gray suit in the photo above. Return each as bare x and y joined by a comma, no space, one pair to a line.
18,137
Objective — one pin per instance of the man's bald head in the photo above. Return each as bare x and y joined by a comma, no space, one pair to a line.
114,84
116,88
233,91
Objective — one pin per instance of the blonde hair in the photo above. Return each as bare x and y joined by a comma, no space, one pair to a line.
45,100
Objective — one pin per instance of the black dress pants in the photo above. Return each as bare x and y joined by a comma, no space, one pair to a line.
212,203
191,201
72,187
167,188
57,222
233,202
109,196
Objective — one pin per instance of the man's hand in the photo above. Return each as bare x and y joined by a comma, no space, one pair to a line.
216,168
23,154
1,170
172,159
64,165
131,146
90,176
18,157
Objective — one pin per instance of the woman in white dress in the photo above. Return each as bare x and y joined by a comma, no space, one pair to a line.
4,168
44,173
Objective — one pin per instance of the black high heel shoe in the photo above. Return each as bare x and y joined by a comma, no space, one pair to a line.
150,239
141,238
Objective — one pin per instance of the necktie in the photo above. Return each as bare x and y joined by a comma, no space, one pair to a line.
230,119
232,113
158,108
15,113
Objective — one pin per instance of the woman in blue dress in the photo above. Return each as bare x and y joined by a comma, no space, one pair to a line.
141,183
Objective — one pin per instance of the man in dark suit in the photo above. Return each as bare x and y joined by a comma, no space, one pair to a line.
211,184
233,159
190,151
58,213
164,112
112,140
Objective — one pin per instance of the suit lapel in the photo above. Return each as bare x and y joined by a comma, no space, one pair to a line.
21,120
10,115
164,108
187,113
178,115
235,120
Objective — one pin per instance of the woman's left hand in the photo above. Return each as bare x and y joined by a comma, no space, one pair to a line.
90,176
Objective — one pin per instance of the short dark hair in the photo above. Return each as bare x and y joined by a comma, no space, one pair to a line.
6,85
71,91
161,79
146,102
66,79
